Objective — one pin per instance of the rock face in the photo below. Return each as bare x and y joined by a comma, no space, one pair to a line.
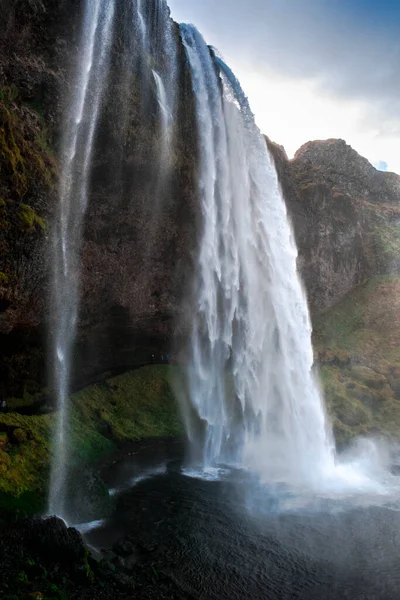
345,216
139,239
36,41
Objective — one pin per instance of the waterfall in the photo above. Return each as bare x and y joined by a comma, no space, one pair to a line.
142,27
254,401
147,36
165,120
78,136
165,50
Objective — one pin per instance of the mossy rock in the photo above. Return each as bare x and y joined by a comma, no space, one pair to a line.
364,326
395,386
333,357
20,436
361,393
368,377
133,406
29,219
395,371
3,442
384,367
350,413
136,405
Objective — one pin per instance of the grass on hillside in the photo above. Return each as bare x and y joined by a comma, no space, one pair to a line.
358,346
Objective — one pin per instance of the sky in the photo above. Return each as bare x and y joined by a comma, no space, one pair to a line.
312,69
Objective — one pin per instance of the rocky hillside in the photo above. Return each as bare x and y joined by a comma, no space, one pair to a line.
345,215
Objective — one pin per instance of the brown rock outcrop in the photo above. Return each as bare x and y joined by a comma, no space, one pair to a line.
345,214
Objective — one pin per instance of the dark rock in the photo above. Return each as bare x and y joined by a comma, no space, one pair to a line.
124,548
52,538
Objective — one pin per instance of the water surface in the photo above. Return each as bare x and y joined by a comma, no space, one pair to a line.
197,528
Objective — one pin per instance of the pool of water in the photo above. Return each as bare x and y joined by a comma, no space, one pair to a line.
220,534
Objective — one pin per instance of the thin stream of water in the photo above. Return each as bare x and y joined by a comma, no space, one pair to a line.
79,129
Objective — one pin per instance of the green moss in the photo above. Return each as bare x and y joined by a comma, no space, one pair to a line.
133,406
8,93
29,219
387,239
359,401
22,158
146,405
24,466
28,172
362,324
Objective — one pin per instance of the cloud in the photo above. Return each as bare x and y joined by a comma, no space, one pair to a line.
345,53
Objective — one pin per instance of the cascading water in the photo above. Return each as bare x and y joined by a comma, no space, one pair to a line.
79,130
250,383
166,54
165,119
148,41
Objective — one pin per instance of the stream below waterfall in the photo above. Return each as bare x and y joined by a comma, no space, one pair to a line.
196,528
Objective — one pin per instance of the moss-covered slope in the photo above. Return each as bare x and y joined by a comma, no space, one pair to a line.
135,405
357,344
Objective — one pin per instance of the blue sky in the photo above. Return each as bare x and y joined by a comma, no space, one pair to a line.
312,69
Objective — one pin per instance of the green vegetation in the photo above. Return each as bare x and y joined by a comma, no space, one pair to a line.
29,219
132,406
28,175
358,346
365,324
23,158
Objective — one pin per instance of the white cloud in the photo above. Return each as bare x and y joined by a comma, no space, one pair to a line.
310,70
294,111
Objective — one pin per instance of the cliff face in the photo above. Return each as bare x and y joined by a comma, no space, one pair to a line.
37,40
140,228
139,237
345,216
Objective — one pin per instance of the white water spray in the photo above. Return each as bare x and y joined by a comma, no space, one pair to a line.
251,383
254,400
79,130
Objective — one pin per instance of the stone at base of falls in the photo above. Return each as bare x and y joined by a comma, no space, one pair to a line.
40,556
52,537
45,559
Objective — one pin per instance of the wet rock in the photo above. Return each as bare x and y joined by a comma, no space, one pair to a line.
124,548
124,581
54,539
368,377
